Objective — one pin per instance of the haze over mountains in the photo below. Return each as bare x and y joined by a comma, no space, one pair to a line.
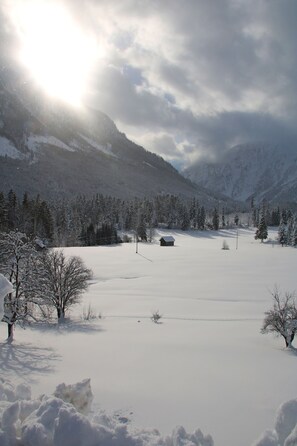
53,149
261,171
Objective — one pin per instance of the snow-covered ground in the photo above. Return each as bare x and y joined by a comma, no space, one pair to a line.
205,366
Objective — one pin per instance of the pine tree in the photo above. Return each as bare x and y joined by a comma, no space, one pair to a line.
215,220
11,210
90,235
223,218
282,233
275,217
294,233
201,218
262,232
3,213
184,217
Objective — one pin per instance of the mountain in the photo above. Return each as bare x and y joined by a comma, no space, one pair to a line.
54,150
262,171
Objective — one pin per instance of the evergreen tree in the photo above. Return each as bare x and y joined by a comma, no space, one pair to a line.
215,219
290,227
11,210
294,233
106,235
193,213
275,217
262,232
3,213
201,218
141,228
90,235
223,218
184,217
282,233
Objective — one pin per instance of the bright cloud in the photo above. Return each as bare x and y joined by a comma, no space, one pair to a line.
205,74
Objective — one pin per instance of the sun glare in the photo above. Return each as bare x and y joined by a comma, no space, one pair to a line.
57,52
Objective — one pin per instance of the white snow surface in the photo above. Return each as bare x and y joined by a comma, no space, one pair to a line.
205,365
107,149
52,421
8,149
34,142
5,286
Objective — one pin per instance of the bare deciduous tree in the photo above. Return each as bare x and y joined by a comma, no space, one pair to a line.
63,280
282,318
17,263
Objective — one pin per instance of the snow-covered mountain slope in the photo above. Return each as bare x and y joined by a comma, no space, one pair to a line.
51,149
262,171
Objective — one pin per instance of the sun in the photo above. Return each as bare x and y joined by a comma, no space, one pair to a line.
58,53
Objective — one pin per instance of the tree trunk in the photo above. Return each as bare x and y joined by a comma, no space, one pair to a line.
60,314
289,339
10,332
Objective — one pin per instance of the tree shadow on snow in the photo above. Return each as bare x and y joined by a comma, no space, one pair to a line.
207,234
292,350
70,326
26,359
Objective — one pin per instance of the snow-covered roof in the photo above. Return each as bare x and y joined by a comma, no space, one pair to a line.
168,238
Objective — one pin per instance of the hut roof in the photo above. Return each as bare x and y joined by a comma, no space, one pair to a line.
167,238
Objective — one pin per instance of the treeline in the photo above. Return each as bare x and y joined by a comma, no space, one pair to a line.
96,220
287,231
83,221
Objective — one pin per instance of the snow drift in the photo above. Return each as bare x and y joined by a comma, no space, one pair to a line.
62,420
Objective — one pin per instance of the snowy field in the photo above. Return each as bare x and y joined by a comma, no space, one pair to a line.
205,366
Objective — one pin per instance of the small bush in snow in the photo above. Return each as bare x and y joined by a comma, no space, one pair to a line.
89,314
156,316
225,245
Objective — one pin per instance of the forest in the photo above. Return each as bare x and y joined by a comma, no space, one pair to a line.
98,220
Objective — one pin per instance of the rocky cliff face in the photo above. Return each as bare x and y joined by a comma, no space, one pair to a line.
262,171
51,149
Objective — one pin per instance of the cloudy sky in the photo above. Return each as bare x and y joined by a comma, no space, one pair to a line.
192,78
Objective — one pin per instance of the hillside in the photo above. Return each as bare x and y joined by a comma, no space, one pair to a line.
53,150
263,171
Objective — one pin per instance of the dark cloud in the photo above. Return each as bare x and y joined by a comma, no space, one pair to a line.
192,78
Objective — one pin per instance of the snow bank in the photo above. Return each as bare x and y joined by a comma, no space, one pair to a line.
79,395
52,421
61,420
285,429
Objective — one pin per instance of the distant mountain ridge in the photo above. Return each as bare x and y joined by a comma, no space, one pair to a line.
261,171
54,150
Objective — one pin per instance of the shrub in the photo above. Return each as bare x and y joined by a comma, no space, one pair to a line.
156,316
225,245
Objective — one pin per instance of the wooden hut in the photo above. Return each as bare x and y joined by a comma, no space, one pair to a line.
167,240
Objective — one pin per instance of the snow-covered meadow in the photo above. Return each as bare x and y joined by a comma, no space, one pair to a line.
205,366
